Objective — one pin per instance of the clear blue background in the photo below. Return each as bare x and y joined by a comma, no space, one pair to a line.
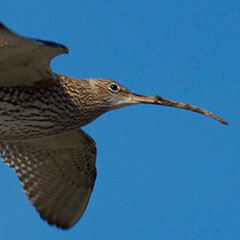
162,173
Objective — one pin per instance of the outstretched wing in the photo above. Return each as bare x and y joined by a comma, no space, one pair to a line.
57,174
24,61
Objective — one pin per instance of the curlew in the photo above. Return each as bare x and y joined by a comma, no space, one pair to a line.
41,115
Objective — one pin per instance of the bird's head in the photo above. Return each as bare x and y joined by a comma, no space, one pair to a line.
112,95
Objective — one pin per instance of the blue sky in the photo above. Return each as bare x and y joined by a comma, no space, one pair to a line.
162,173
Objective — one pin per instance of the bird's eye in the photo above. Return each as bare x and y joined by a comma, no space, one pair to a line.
114,87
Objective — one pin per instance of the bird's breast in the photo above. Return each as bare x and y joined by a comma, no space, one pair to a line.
35,112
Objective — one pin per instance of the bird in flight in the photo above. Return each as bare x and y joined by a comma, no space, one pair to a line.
41,115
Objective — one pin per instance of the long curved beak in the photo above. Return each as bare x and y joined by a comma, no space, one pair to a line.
158,100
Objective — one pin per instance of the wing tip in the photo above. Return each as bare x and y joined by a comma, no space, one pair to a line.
62,48
51,44
3,27
56,222
59,225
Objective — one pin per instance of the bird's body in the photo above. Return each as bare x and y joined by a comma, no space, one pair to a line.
41,113
48,108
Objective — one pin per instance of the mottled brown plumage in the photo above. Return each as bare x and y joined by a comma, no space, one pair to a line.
41,113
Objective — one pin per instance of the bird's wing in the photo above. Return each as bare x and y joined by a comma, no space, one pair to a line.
57,174
25,61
